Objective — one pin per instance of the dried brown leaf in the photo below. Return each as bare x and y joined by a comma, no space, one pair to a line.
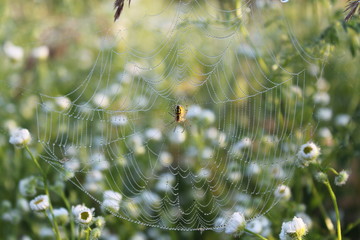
119,6
351,8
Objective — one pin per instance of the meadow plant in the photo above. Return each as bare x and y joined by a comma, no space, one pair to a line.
272,114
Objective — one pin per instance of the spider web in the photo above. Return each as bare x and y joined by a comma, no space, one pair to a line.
244,106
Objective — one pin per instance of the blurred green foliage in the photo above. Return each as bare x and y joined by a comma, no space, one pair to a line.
74,31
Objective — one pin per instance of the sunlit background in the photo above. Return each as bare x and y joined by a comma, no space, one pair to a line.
256,80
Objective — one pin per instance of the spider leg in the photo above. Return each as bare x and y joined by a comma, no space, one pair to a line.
187,123
169,123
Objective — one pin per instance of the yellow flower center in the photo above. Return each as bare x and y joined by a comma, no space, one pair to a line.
84,215
307,150
38,201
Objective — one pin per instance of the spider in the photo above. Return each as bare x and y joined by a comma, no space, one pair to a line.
179,113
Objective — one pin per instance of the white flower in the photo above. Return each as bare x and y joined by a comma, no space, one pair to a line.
219,224
324,114
321,177
342,120
82,214
151,198
282,192
236,224
119,120
46,233
325,132
14,52
153,134
246,50
101,100
40,53
277,172
99,222
243,198
10,125
133,68
95,233
72,164
313,69
48,106
27,186
260,225
124,78
165,182
307,220
178,136
137,144
141,101
254,226
98,161
208,116
237,147
253,169
112,195
165,159
212,133
114,89
194,111
25,237
111,205
322,84
293,230
20,137
308,153
93,181
61,215
342,178
322,98
266,226
132,208
207,153
63,102
139,236
234,172
12,216
204,173
40,203
23,205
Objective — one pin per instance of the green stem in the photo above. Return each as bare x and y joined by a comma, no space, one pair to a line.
255,234
327,219
56,227
68,206
51,222
333,198
352,226
88,233
333,171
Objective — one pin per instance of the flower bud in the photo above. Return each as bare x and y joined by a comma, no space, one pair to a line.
293,230
20,137
236,224
307,154
40,203
342,178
